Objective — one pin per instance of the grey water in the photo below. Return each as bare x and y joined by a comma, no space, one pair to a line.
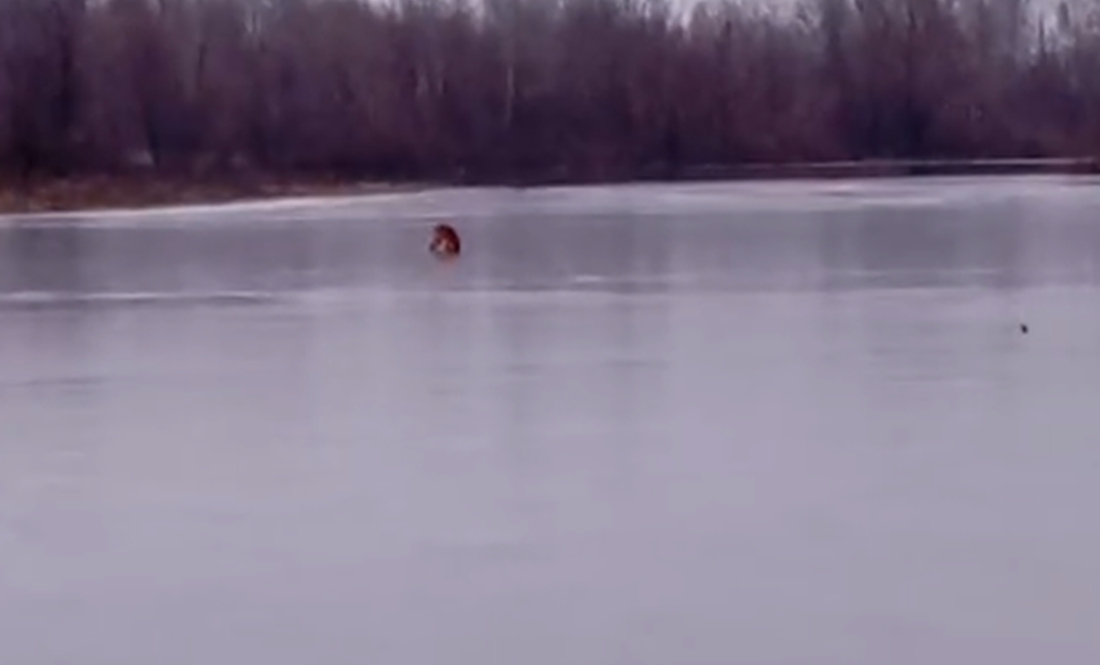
761,423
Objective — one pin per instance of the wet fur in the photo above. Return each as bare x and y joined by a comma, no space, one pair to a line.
445,241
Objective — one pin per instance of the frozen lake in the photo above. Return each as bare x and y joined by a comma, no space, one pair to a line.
764,423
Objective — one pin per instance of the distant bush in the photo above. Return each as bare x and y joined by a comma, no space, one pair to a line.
515,88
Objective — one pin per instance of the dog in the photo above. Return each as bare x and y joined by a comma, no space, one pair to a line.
445,241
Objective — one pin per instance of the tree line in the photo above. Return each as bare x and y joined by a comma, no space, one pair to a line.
502,89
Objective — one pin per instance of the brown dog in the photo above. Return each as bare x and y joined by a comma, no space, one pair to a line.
445,241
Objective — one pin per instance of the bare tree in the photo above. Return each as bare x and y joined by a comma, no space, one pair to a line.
536,88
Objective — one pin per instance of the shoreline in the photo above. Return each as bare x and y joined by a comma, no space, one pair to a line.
130,192
900,168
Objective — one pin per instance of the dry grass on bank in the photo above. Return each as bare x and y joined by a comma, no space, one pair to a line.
128,191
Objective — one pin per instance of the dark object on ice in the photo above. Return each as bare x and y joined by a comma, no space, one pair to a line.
445,241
